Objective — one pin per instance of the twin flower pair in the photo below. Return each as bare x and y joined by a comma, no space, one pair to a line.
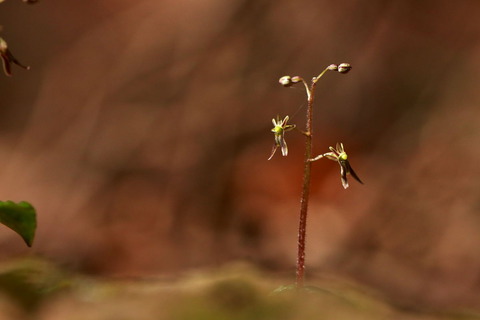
337,154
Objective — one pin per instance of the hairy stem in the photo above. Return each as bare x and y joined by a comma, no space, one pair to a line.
302,227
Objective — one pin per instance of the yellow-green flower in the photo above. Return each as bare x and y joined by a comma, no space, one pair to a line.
279,129
338,154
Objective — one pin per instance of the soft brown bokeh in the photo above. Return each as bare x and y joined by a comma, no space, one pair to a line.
141,135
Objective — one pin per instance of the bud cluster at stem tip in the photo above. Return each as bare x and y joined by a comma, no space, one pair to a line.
342,67
288,81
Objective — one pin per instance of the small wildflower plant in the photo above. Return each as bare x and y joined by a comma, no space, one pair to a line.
337,154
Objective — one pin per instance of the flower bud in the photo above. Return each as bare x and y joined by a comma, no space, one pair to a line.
296,79
285,81
332,67
344,67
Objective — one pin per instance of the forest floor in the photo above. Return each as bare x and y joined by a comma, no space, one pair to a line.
33,289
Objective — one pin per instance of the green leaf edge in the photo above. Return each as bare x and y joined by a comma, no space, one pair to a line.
23,211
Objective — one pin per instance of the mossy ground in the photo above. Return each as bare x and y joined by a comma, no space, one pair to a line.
33,289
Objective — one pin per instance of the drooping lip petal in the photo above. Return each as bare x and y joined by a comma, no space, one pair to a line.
354,175
8,59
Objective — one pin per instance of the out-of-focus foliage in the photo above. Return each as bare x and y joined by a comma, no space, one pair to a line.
25,285
21,218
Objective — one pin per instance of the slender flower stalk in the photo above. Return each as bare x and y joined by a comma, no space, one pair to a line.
337,154
307,168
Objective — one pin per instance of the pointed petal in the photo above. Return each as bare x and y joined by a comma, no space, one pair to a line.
338,148
320,156
343,174
273,151
283,144
331,156
354,175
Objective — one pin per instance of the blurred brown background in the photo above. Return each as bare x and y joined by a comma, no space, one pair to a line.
142,133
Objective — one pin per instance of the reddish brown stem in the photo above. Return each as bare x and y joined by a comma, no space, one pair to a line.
302,227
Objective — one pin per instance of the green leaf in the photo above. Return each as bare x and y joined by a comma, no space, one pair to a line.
21,218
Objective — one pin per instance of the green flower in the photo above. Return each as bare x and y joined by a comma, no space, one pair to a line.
8,58
279,129
338,154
